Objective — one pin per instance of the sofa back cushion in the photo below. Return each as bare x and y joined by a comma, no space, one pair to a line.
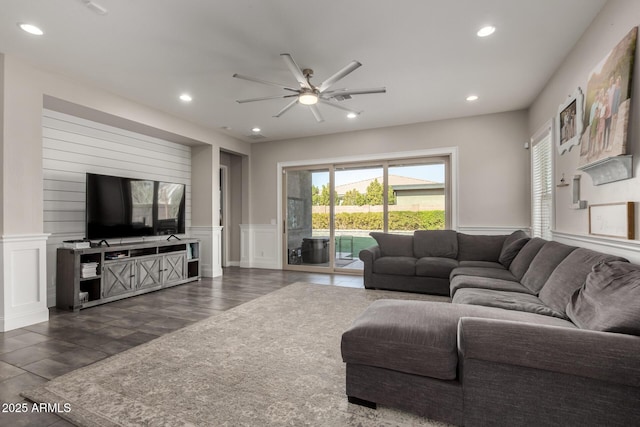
435,243
394,244
543,264
609,300
570,275
511,250
521,262
479,248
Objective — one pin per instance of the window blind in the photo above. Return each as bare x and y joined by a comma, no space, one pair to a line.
542,185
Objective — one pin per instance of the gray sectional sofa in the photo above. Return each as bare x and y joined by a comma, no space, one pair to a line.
549,337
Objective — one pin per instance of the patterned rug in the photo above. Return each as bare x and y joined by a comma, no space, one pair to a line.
272,361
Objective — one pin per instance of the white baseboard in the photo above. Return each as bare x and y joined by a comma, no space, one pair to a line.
23,275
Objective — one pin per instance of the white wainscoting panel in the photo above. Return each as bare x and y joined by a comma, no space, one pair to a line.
210,249
71,147
24,297
629,249
492,231
259,246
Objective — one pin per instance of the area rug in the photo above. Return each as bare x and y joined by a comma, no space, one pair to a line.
272,361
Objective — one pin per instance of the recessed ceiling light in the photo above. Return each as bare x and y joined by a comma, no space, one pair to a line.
31,29
185,97
486,31
471,98
352,115
256,129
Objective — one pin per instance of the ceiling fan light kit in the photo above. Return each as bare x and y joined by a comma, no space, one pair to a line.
309,94
308,97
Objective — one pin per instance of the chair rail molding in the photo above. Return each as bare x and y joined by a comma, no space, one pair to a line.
629,249
210,249
23,273
259,246
492,230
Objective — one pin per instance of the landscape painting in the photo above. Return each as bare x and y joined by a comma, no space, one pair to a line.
608,101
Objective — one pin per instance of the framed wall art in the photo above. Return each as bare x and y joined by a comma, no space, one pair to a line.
608,103
613,220
569,122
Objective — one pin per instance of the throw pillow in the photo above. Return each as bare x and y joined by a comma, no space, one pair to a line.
609,300
510,251
394,244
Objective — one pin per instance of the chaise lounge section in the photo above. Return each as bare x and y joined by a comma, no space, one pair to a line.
553,339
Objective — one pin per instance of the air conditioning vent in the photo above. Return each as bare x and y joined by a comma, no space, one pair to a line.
256,136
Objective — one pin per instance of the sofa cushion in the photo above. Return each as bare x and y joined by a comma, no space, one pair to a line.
492,273
479,248
418,337
521,262
435,243
506,300
435,267
570,275
609,300
397,265
394,244
547,259
513,237
482,264
462,282
510,251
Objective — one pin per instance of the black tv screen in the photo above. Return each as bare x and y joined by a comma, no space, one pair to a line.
120,207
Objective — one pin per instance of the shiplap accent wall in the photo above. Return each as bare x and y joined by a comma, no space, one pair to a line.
71,147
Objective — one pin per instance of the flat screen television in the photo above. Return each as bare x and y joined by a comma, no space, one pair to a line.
119,207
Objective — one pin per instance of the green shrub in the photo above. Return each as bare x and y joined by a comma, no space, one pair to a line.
398,221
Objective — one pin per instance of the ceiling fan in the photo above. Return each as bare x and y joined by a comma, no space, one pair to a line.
310,94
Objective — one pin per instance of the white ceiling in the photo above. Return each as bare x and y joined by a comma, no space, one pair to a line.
425,52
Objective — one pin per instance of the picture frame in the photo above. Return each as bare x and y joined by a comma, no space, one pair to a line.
613,220
569,124
608,104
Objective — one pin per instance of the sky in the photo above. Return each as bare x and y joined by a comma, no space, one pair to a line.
433,172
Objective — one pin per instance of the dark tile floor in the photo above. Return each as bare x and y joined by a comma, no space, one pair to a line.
35,354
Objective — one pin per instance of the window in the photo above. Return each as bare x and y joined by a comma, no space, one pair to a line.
542,183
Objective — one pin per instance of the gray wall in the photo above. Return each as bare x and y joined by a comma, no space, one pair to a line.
493,164
615,20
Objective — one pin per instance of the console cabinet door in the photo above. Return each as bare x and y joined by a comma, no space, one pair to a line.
118,278
149,272
174,267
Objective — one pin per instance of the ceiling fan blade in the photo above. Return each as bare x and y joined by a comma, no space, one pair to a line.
346,93
340,107
287,108
242,101
316,113
339,75
297,72
253,79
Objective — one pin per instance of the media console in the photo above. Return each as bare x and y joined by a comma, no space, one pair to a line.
93,276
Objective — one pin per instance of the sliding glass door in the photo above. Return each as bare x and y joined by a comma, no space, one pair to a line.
359,210
330,210
307,207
